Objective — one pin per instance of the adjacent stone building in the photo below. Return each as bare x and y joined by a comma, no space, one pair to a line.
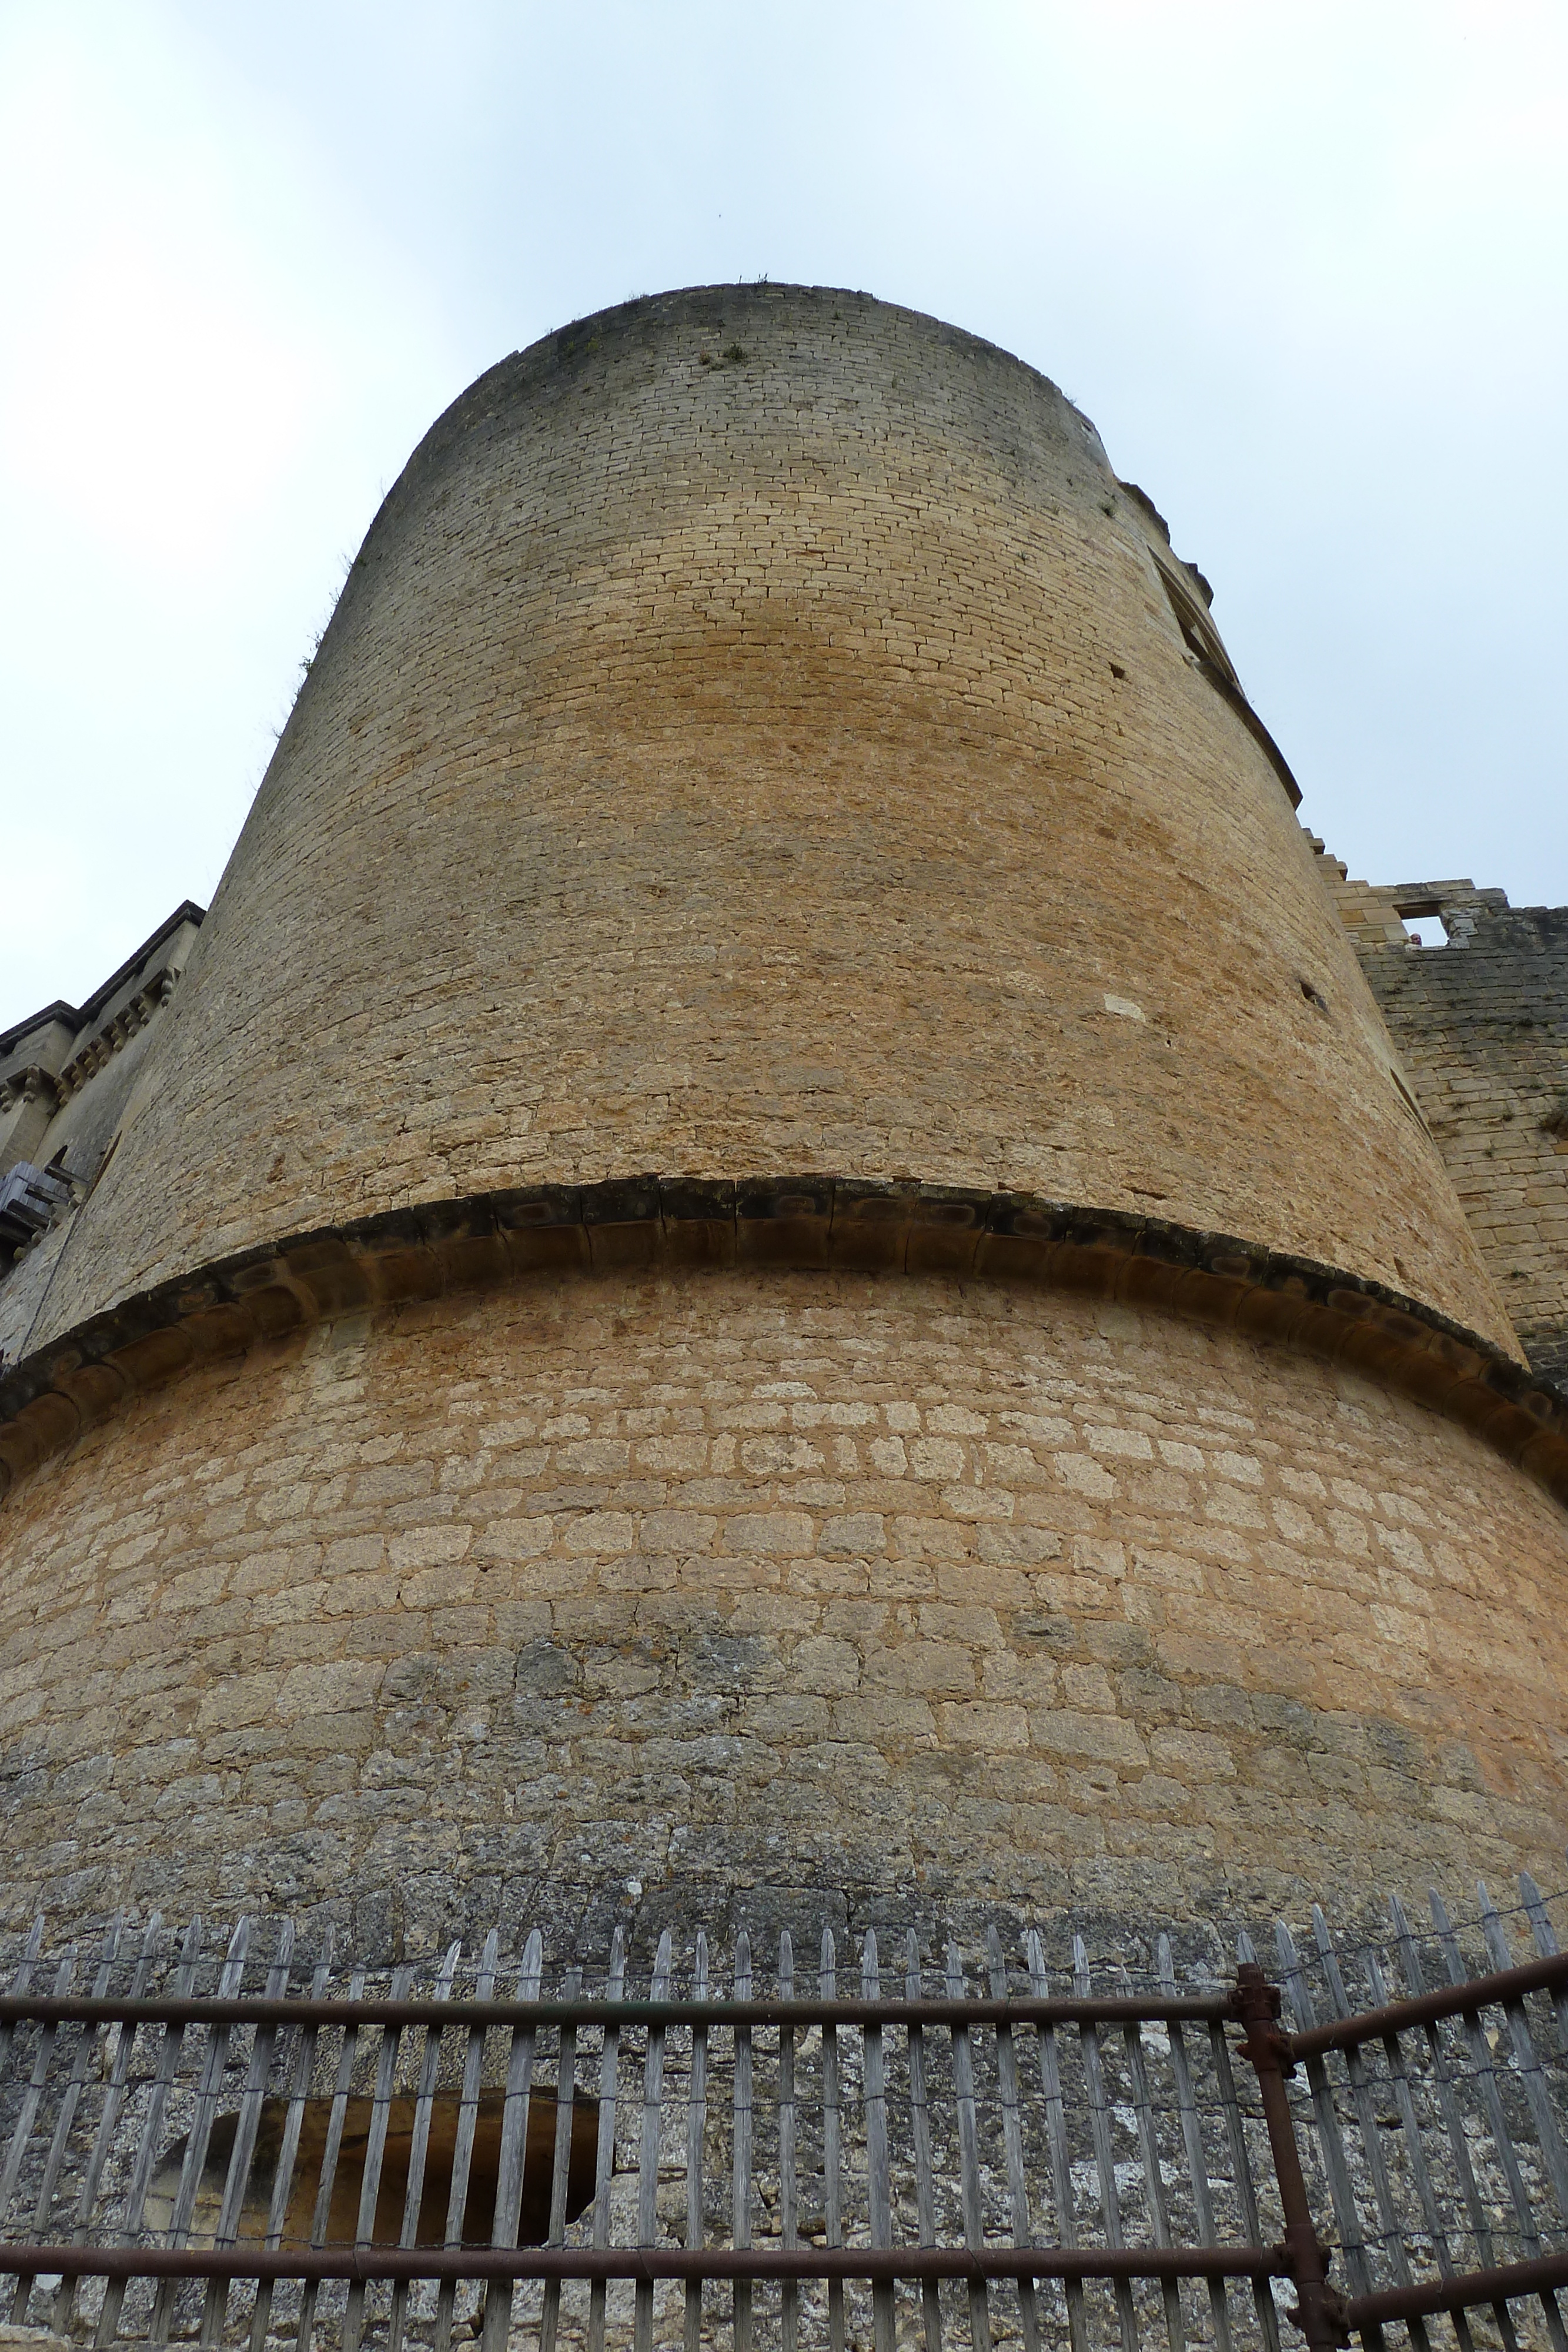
787,1251
1483,1035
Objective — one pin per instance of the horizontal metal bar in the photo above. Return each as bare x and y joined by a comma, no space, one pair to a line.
1448,2001
1217,2008
367,2263
1470,2290
46,2008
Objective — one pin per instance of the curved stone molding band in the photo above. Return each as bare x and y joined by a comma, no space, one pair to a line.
790,1223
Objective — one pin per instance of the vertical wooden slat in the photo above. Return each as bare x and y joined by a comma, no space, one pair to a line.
207,2092
1366,2117
741,2148
1503,2138
833,2147
1104,2152
1485,2077
1540,1925
21,1979
696,2141
1242,2166
604,2161
648,2153
1056,2137
32,2097
920,2125
309,2292
1414,2148
87,2044
788,2155
375,2151
1453,2123
1148,2148
1546,1944
419,2146
560,2169
1330,2142
969,2156
259,2071
1012,2138
300,2072
1192,2145
63,2316
463,2141
498,2292
1526,2060
879,2183
169,2050
263,2043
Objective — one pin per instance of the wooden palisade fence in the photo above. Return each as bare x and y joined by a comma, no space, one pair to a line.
899,2146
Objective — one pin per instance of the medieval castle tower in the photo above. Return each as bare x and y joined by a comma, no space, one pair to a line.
783,1246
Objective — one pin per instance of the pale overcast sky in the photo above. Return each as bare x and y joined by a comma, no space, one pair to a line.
1305,265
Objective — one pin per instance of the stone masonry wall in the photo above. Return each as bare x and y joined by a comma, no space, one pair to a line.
755,737
797,1595
1482,1028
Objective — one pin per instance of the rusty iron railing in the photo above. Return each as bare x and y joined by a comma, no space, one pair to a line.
234,2149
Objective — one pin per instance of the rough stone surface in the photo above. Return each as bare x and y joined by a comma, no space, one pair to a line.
760,738
760,1595
757,733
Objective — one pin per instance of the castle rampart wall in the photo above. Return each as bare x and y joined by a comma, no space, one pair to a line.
784,1592
769,899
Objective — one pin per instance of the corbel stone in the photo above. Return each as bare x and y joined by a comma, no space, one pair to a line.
32,1084
808,1223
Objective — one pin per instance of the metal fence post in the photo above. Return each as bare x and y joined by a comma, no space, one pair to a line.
1320,2312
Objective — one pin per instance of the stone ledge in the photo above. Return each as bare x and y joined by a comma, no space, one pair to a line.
827,1222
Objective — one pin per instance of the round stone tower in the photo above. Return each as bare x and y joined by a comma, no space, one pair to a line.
773,1255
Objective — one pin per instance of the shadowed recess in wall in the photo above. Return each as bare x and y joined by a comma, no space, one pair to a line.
399,2126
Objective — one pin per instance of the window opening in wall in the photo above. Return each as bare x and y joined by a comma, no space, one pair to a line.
349,2174
31,1201
1188,595
1424,924
1201,636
